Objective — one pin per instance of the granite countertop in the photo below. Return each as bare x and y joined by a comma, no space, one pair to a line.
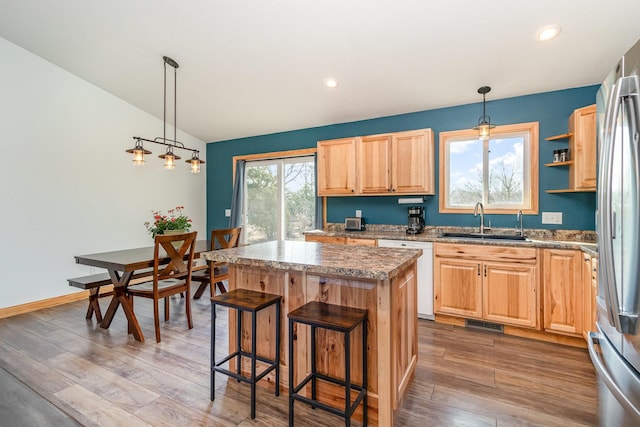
364,262
535,238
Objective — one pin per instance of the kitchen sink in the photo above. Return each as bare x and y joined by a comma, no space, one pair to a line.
485,236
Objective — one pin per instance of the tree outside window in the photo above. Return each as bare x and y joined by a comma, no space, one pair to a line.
279,199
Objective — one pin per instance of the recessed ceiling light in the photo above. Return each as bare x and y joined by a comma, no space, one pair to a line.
330,82
547,32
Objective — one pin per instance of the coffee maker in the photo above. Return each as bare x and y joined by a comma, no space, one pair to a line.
416,220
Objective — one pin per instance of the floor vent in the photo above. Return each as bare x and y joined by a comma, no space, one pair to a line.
484,326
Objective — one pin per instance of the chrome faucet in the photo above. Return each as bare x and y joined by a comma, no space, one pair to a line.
475,213
519,232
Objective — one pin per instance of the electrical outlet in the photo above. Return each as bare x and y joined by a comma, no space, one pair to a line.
227,213
552,217
358,213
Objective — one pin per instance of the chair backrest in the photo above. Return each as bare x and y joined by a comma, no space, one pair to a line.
225,238
179,248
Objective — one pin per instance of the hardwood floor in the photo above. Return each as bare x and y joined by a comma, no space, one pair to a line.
106,378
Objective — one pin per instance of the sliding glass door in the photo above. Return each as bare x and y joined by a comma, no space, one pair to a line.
279,199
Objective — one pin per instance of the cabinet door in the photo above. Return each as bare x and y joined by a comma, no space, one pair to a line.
337,167
363,242
325,239
457,287
510,294
374,164
563,291
583,145
412,165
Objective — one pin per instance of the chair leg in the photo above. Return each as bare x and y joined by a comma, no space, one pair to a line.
156,318
221,287
188,304
200,290
166,309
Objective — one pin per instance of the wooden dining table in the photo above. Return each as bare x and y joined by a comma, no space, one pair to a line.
121,266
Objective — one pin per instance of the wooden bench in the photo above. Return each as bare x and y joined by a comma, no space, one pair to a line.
94,282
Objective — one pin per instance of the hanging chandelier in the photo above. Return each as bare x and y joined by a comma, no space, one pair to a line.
169,156
484,122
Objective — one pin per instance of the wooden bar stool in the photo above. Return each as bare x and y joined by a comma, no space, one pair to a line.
252,302
336,318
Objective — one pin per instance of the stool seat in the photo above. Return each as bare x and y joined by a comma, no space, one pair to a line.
343,320
328,316
245,300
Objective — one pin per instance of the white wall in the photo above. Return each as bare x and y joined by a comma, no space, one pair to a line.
68,187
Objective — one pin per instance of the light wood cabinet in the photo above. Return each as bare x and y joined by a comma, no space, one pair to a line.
388,164
582,151
510,294
337,167
412,163
399,163
374,164
563,302
457,287
340,240
494,283
582,147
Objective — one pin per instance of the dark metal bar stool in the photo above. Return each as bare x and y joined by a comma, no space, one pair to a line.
252,302
335,318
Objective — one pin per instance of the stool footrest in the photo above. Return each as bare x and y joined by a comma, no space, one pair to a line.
245,354
352,405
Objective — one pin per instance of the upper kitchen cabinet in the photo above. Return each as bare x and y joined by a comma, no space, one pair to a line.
374,164
388,164
582,145
337,167
582,151
412,162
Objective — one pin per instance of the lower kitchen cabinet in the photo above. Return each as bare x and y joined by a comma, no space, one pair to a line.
458,287
509,294
563,304
340,240
494,283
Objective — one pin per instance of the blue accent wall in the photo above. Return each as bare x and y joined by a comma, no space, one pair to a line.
550,109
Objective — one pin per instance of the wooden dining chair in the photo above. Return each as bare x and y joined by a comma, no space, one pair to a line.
217,271
168,278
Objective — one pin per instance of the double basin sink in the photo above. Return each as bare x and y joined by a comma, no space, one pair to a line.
484,236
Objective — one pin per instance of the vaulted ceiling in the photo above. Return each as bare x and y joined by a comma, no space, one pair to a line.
252,67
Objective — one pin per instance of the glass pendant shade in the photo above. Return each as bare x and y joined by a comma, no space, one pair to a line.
169,159
138,153
195,162
484,130
484,122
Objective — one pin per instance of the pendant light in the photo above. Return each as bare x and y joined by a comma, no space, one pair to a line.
169,156
484,122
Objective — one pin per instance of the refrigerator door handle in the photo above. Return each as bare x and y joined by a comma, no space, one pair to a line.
607,379
605,244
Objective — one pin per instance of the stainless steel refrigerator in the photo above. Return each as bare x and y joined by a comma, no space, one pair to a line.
615,347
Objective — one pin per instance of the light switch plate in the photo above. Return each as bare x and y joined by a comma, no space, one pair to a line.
552,217
227,213
358,213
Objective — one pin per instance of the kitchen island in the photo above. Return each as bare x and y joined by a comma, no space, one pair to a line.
381,280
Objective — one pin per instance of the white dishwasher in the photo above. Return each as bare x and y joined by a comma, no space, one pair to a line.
425,273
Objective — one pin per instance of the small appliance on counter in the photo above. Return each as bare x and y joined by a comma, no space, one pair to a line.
416,220
354,224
